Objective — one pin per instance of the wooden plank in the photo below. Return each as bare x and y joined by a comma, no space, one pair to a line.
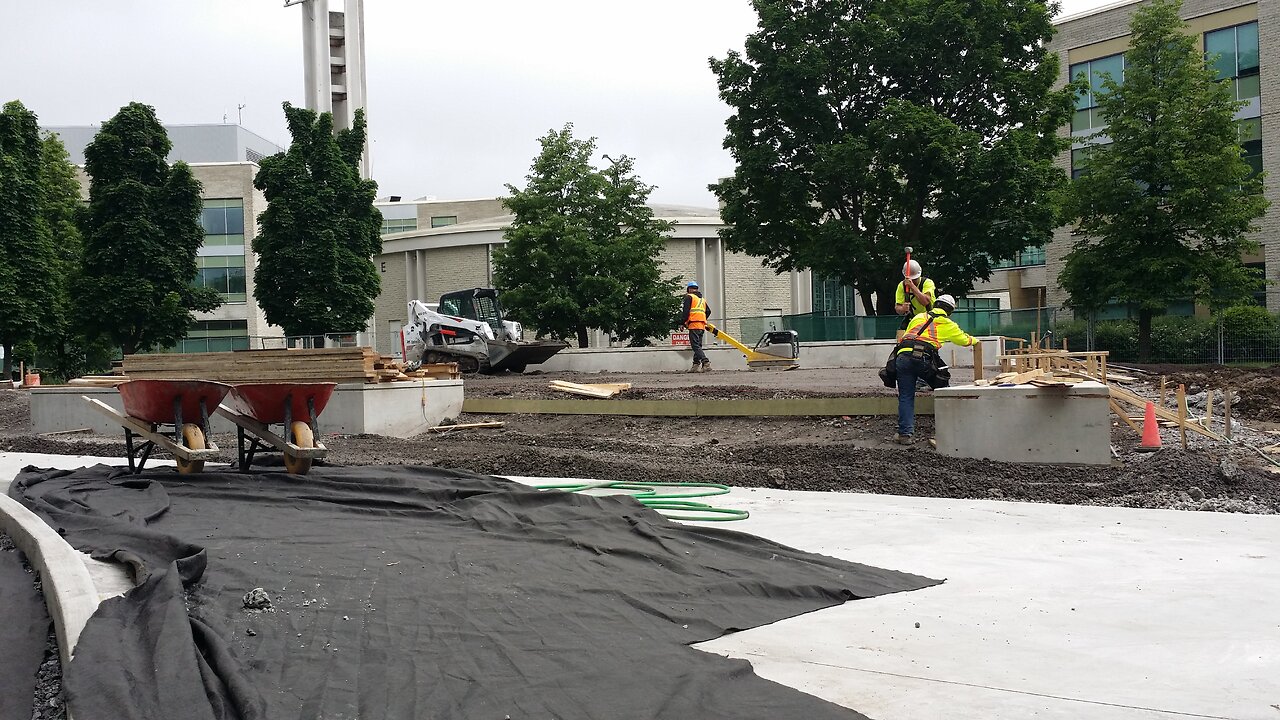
1226,410
1208,408
977,360
466,426
817,407
1120,413
209,453
1162,413
264,433
1023,377
1164,380
594,391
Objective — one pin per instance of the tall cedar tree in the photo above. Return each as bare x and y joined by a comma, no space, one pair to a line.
860,127
583,249
320,230
141,233
62,351
27,263
1164,208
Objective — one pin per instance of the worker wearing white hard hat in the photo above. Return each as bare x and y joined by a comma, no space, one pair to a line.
918,357
915,294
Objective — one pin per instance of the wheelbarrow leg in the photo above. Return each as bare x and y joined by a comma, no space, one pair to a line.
128,447
177,419
311,411
244,461
204,419
288,418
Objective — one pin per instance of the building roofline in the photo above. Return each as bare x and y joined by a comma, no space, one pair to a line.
1095,11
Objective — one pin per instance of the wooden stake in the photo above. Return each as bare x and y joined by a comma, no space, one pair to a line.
465,426
1064,345
1164,394
1208,408
977,360
1226,410
1182,413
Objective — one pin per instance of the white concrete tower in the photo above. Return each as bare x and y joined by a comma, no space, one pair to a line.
333,62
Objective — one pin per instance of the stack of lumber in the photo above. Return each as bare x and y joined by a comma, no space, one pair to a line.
342,365
1037,377
596,390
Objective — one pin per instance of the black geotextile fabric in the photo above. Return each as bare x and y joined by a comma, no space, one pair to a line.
406,592
24,631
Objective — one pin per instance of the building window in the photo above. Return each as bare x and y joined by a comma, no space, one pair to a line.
1251,142
216,336
395,225
1259,295
443,220
1026,257
830,297
1079,162
1233,54
976,304
220,261
1088,116
253,156
224,273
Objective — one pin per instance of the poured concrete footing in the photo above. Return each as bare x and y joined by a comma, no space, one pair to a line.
396,409
1025,423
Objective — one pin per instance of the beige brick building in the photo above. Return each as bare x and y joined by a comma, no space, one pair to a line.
433,247
1245,36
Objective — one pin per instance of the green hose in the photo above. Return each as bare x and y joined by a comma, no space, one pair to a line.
676,506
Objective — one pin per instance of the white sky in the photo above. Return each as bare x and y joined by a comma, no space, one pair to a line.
459,92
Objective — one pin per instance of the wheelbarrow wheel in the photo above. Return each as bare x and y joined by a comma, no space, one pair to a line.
302,437
193,438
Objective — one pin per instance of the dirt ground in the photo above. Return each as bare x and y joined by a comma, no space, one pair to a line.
1258,390
800,453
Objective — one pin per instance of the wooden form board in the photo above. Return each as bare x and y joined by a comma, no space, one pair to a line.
302,365
873,405
595,390
1123,395
1092,364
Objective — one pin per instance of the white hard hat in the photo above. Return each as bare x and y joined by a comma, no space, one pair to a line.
911,270
946,300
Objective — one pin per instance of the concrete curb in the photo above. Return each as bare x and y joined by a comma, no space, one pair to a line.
69,592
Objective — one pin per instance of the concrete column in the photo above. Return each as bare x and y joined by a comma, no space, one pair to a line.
722,295
315,56
357,89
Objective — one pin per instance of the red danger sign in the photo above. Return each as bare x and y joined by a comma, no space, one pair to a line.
680,338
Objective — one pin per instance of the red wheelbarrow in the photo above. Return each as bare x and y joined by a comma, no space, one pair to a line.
255,407
173,414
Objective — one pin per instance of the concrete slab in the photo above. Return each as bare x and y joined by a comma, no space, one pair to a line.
396,409
1048,611
1025,423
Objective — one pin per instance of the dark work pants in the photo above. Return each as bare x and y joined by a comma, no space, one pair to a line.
695,342
908,373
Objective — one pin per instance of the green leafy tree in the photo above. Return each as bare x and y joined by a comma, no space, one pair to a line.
27,265
583,250
61,350
320,230
141,235
1164,208
860,127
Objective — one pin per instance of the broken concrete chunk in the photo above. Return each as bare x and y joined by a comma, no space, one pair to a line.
257,599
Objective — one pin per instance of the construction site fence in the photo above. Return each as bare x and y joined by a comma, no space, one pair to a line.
820,327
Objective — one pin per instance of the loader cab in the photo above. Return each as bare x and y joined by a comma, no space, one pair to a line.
480,304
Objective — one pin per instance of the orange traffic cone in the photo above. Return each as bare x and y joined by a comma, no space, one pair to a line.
1150,430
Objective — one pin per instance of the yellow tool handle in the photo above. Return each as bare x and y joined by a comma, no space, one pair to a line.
727,338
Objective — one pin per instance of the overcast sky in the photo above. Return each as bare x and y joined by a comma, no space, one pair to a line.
459,92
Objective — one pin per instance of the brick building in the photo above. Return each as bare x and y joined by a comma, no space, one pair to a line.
1244,36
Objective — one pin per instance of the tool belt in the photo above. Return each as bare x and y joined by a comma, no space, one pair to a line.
926,357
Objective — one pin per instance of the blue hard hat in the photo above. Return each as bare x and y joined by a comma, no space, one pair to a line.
692,283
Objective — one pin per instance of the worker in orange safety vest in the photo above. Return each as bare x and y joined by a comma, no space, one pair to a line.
693,316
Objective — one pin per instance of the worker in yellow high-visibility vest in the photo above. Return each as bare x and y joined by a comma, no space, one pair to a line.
916,357
693,316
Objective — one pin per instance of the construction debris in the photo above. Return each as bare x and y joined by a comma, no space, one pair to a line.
466,426
597,390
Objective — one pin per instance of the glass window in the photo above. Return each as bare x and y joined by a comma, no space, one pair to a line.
395,225
1079,162
1233,54
1247,49
1026,257
1096,72
1220,47
443,220
235,220
224,274
214,221
1251,142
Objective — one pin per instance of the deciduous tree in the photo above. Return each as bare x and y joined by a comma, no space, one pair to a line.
320,230
1165,207
860,127
27,263
141,234
583,250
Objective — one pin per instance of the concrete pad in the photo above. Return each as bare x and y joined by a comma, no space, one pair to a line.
1025,423
1048,611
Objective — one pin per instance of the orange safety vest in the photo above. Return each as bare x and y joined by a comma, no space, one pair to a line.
930,333
697,314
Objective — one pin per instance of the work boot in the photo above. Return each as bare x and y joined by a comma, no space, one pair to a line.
706,365
696,367
903,439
